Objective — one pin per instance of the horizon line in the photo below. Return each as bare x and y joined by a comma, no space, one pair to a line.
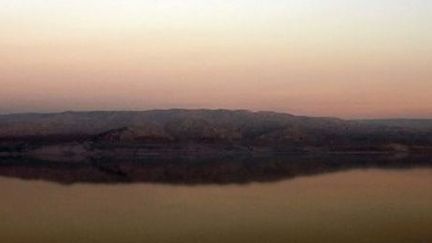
208,109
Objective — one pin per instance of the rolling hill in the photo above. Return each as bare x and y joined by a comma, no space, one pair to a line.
116,133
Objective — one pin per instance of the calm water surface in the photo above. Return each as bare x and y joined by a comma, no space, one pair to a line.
361,205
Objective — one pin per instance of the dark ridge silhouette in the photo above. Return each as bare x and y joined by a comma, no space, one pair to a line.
417,124
132,133
193,171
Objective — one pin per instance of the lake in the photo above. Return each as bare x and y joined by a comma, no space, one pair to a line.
312,200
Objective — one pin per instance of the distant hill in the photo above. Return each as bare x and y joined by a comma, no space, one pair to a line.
206,130
418,124
100,121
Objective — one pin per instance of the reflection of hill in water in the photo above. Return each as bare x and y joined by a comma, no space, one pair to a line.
227,170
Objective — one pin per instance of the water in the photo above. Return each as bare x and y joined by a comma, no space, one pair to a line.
345,204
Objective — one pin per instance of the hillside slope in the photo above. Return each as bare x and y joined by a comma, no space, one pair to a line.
199,130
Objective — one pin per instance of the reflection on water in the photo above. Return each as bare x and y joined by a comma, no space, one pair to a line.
213,170
391,201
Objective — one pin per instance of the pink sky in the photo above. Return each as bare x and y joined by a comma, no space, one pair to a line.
350,59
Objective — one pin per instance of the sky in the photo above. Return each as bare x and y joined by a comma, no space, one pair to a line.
343,58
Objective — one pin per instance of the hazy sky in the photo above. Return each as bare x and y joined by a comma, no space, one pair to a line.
346,58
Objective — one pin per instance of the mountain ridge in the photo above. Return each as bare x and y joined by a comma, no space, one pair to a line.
179,130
